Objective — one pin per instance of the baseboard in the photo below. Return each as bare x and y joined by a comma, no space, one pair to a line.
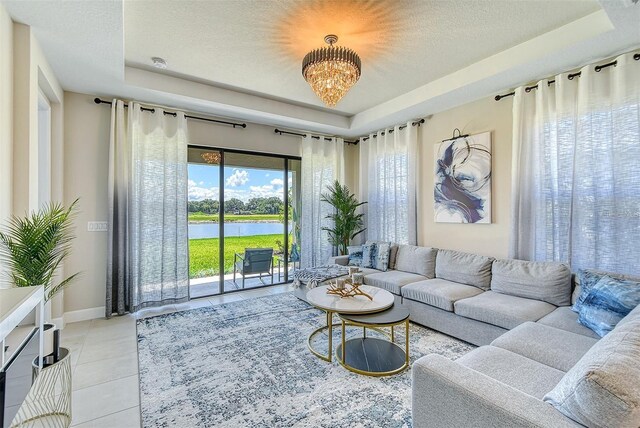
59,322
84,314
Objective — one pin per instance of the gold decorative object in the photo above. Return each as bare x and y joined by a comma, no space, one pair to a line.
211,157
331,71
346,289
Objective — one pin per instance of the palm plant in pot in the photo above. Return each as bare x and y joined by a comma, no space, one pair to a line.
347,223
33,249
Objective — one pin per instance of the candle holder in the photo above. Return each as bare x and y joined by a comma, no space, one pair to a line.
349,289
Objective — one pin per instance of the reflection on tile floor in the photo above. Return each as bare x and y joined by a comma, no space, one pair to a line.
104,357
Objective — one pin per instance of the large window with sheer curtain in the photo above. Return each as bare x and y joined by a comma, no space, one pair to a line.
576,170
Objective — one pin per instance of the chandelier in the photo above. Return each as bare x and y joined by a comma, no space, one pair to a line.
211,157
331,71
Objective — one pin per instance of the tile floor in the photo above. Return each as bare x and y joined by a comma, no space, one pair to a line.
104,357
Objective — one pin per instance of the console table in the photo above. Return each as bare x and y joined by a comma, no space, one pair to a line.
15,305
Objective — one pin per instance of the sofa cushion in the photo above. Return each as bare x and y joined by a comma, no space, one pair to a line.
501,309
439,292
368,271
519,372
546,281
633,315
607,303
556,348
465,268
565,319
419,260
603,388
392,280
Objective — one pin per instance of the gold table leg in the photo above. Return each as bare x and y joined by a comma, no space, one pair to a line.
329,326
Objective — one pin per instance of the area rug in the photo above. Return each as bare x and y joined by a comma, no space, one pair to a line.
246,364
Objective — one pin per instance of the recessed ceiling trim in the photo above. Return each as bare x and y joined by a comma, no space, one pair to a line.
527,52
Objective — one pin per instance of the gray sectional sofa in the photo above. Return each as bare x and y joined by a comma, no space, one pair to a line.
531,345
472,297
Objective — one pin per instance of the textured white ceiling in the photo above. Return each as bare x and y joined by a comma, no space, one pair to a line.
468,50
258,46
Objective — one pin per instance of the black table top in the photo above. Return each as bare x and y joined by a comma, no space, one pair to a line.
394,315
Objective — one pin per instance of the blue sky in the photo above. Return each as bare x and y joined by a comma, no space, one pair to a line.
241,183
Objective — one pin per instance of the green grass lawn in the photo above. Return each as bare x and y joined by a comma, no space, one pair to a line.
204,253
234,217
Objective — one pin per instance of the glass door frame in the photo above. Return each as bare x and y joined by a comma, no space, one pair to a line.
286,159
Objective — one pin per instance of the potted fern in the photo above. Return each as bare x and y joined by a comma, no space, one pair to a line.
347,224
33,249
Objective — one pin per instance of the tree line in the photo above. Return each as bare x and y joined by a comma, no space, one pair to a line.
271,205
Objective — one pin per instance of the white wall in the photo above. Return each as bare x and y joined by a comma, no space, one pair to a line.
6,114
480,116
24,72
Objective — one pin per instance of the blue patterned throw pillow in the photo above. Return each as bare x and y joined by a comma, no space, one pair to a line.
608,301
382,257
355,255
587,279
369,252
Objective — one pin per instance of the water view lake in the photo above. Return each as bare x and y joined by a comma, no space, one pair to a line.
211,230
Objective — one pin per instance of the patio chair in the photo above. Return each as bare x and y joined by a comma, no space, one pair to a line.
255,261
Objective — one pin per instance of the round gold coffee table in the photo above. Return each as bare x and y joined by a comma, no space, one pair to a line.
332,304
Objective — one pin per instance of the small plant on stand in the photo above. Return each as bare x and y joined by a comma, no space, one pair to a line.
33,249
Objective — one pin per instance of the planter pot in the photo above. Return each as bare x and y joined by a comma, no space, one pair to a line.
47,335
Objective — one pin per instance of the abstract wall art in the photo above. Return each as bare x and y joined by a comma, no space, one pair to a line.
462,189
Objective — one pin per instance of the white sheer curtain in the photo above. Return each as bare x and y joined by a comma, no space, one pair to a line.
148,246
576,169
388,184
322,164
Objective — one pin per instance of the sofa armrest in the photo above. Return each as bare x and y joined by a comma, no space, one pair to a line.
339,260
447,394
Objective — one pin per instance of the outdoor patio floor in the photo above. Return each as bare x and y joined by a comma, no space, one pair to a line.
209,286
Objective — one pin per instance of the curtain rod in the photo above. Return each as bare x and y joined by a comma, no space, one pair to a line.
281,132
390,131
570,76
152,110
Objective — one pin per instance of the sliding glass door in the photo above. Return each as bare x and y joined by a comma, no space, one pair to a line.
243,220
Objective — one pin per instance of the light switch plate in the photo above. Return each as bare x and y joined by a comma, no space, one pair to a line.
97,226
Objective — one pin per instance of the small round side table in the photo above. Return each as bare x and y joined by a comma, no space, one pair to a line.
373,356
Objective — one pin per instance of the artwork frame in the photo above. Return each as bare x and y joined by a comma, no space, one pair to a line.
462,180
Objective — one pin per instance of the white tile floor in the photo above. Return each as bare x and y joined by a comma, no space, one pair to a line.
105,362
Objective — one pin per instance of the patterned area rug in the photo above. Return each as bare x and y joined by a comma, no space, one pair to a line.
246,364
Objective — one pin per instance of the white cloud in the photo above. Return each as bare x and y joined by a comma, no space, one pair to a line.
198,193
238,178
267,174
265,191
201,183
277,182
